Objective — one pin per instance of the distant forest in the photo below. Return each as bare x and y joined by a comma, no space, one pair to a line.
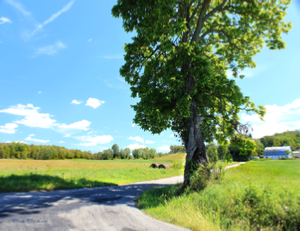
282,139
47,152
52,152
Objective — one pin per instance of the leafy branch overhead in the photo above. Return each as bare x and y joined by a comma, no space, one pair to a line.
216,36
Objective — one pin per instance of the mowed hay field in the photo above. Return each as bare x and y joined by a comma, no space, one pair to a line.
31,175
258,195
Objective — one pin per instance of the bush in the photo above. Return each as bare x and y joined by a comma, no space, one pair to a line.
205,175
177,165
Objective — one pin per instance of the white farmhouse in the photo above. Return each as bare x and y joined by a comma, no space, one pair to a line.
278,152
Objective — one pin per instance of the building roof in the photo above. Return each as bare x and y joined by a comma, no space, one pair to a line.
277,151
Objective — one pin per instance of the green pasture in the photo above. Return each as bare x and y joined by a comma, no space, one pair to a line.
261,195
30,175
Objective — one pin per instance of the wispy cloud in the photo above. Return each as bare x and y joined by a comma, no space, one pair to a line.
95,140
248,72
8,128
18,6
67,135
35,140
4,20
80,125
119,56
137,139
22,142
50,49
133,125
74,101
89,40
135,146
53,17
165,148
149,142
278,119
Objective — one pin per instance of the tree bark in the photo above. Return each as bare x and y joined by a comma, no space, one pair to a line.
195,147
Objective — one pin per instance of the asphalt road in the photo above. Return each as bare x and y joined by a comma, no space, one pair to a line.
103,208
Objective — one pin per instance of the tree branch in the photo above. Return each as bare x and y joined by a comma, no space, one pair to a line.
201,20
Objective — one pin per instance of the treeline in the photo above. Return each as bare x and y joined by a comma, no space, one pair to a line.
291,139
241,148
177,149
52,152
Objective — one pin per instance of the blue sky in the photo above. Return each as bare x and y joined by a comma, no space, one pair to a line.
60,81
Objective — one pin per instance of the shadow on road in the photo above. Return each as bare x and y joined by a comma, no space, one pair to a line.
65,200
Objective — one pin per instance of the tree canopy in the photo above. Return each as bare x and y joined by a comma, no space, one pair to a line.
177,63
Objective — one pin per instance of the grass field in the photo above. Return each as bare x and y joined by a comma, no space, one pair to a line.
30,175
255,196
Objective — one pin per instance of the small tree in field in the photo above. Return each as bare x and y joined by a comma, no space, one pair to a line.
178,61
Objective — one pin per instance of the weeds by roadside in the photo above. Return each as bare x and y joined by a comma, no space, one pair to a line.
257,196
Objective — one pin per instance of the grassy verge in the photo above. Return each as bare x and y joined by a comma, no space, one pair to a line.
254,196
30,175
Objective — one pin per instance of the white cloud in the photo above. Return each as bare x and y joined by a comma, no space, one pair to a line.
88,144
18,6
90,132
50,49
22,142
94,140
67,135
32,118
119,56
35,140
135,146
40,92
80,125
94,103
4,20
164,148
53,17
248,72
149,142
8,128
74,101
137,139
61,142
278,119
172,135
132,125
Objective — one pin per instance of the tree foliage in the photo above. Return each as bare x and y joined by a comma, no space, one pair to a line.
52,152
177,149
291,138
177,63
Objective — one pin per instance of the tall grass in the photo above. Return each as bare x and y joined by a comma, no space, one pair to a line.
255,196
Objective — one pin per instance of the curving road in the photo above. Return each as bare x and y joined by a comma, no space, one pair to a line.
103,208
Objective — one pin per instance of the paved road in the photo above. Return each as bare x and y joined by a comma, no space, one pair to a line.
103,208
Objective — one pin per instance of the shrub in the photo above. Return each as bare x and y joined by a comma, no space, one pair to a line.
177,165
205,175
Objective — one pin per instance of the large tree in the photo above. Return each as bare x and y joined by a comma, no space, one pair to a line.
178,61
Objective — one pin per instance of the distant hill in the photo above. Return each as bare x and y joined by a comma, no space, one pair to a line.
283,139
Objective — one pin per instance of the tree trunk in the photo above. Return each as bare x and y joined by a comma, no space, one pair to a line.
195,147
